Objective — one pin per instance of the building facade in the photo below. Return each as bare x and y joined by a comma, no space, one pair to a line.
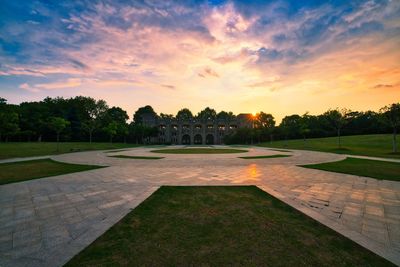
195,131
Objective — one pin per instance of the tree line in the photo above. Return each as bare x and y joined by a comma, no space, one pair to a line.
333,122
86,119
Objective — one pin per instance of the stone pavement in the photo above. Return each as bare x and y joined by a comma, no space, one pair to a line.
47,221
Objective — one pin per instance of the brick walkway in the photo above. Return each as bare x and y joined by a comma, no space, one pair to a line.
47,221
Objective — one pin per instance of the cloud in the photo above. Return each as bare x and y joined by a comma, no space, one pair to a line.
78,64
386,86
20,71
208,72
333,48
69,83
168,86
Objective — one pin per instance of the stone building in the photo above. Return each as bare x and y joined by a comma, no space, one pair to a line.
195,131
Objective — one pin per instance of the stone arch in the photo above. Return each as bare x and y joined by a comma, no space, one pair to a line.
198,139
186,139
209,139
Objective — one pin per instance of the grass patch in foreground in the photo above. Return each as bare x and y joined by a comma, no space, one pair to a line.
280,150
376,145
34,169
221,226
134,157
199,151
383,170
265,157
31,149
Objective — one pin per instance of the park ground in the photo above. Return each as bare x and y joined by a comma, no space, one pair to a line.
366,145
47,221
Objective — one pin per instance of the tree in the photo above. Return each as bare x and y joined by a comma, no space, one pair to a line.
111,129
226,116
207,114
9,122
391,115
184,114
166,116
365,122
241,136
265,123
123,130
138,116
33,117
116,114
58,125
304,127
338,118
292,126
95,110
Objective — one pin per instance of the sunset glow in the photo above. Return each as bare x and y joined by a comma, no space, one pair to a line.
281,57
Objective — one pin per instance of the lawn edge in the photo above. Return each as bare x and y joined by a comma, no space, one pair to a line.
136,157
373,246
328,151
92,167
309,166
265,157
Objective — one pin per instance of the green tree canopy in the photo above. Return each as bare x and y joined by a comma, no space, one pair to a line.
338,118
264,120
166,116
227,116
9,121
184,114
207,114
58,124
391,115
137,116
111,129
96,110
116,114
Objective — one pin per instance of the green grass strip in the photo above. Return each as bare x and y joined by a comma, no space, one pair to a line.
134,157
199,151
34,169
31,149
383,170
265,157
280,150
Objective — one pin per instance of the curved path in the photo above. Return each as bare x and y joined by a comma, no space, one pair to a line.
45,222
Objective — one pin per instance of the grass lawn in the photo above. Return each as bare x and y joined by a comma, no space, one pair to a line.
266,157
134,157
30,149
199,151
33,169
363,167
378,145
221,226
280,150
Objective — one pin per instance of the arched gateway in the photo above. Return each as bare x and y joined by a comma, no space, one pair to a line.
198,139
187,131
210,139
186,139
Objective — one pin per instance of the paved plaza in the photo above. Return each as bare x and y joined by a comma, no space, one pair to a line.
45,222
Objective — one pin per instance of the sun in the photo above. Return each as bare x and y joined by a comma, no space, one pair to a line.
254,113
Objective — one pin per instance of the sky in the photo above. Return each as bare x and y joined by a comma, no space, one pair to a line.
282,57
